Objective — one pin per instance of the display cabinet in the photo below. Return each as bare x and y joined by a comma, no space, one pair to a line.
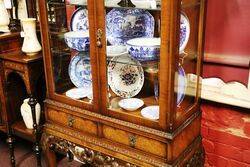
123,81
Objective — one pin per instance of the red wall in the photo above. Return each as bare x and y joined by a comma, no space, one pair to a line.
227,33
228,27
226,130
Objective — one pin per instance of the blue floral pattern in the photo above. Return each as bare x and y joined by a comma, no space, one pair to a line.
79,44
79,20
144,53
184,32
125,24
80,70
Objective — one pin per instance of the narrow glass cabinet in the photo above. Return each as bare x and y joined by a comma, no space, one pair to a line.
123,80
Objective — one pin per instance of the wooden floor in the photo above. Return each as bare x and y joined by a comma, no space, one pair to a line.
24,155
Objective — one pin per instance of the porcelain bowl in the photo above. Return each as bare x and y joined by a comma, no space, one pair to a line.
78,40
131,104
144,49
116,50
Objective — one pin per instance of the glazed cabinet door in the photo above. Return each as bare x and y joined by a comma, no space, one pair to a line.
189,61
135,62
69,46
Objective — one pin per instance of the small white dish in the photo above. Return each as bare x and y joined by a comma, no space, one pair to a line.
150,112
131,104
78,2
78,93
116,50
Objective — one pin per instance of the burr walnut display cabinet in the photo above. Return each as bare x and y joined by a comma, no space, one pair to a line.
123,81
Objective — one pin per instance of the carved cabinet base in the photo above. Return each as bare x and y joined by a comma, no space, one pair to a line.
53,144
115,143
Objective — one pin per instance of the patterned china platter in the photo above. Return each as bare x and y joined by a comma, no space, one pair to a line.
80,71
182,85
79,20
150,112
125,24
125,76
184,32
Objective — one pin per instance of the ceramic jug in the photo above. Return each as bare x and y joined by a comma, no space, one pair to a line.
4,18
27,114
31,45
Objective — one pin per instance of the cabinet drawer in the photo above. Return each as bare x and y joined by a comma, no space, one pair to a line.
71,121
136,141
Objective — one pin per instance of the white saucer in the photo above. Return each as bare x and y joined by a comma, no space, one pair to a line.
150,112
131,104
78,93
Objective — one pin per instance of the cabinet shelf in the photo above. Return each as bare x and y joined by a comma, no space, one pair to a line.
148,101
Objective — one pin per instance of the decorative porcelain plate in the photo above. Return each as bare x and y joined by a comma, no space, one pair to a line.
125,76
79,20
184,32
150,112
80,71
182,85
78,93
131,104
125,24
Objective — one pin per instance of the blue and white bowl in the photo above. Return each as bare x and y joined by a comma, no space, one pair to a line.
78,40
144,49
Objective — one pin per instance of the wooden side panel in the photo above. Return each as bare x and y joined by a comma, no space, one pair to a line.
141,143
185,138
77,123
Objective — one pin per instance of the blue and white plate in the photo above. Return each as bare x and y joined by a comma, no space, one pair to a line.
125,24
79,20
181,86
80,71
184,32
125,76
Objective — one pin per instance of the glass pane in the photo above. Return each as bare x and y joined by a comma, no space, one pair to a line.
133,51
69,38
186,80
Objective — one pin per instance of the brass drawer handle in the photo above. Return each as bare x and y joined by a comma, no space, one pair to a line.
132,140
99,34
71,121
